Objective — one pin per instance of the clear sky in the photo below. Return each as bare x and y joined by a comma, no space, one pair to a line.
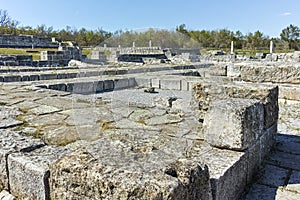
268,16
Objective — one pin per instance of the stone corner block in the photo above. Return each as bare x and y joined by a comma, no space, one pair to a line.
233,123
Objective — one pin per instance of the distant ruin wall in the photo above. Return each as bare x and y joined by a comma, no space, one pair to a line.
26,41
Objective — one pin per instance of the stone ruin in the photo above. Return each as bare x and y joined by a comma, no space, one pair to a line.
94,133
158,131
61,54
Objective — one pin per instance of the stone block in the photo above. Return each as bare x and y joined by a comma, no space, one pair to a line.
228,172
72,75
92,73
121,84
62,76
59,86
184,85
115,174
155,83
34,77
143,82
83,88
233,123
169,84
132,82
29,171
11,142
233,71
70,87
25,78
108,85
289,92
98,86
121,71
16,78
48,76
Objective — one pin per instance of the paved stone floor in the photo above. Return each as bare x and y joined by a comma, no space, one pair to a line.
280,177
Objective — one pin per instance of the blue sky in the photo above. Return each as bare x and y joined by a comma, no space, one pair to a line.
268,16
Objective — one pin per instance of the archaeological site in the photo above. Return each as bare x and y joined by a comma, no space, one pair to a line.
147,123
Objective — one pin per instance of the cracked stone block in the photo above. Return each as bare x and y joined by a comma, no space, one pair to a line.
29,171
121,173
11,142
233,123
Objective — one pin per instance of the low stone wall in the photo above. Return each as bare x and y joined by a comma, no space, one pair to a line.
256,72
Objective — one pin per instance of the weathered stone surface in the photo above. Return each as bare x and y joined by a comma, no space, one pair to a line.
108,177
29,172
279,74
44,109
233,123
228,172
59,134
204,93
11,142
8,117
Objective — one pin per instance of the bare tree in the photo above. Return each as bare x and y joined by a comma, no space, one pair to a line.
4,18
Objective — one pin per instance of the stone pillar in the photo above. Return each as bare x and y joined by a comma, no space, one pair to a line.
150,43
271,47
104,45
133,44
232,48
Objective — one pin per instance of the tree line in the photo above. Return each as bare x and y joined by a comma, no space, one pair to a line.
180,38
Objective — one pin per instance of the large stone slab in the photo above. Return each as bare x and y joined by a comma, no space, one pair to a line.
110,175
233,123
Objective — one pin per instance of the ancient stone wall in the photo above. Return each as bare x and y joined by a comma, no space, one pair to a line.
26,41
